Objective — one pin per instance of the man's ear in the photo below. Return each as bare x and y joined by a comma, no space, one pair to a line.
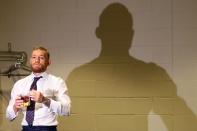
49,62
98,32
30,61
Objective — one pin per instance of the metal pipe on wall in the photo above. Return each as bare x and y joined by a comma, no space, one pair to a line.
19,57
13,56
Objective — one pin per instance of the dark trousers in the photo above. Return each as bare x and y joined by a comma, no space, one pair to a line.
39,128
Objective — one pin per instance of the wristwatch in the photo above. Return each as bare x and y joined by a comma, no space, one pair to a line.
47,101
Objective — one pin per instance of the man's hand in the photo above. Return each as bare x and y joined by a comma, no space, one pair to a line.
18,104
36,96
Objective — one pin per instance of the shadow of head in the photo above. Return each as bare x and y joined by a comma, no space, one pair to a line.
115,26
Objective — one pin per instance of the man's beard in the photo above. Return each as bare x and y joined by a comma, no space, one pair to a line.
38,70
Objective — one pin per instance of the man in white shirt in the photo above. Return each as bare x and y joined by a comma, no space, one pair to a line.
50,97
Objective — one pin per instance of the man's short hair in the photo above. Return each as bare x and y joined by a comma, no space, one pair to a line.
43,49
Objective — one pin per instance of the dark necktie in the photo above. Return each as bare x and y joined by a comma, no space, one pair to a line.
31,107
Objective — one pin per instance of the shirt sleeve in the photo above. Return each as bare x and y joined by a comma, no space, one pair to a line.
61,103
10,114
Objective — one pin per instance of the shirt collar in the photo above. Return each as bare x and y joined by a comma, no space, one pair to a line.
43,74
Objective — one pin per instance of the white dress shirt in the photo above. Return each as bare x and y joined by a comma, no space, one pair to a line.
51,87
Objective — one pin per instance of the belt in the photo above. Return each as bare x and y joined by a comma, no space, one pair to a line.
39,128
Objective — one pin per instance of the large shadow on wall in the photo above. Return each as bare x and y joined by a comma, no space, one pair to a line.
117,92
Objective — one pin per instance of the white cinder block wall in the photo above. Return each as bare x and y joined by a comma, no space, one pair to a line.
136,72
